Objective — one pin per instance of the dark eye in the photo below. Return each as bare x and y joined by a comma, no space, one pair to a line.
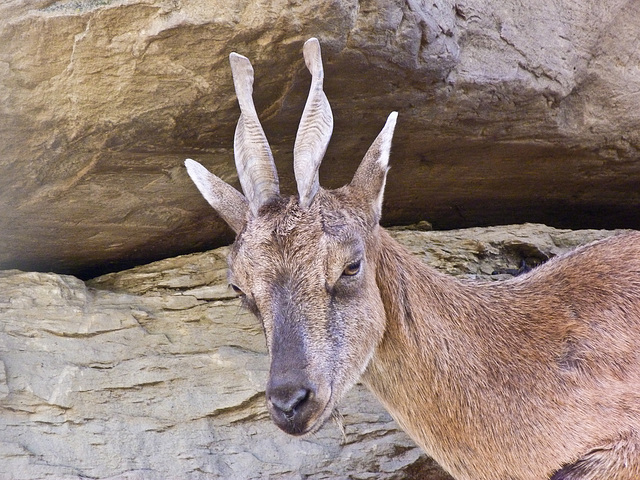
236,289
352,269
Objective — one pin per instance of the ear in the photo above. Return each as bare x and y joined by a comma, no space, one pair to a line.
230,204
371,176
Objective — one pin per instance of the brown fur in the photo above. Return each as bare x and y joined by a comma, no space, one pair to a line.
512,380
529,379
508,380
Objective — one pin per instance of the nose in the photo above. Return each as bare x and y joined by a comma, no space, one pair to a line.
288,399
291,404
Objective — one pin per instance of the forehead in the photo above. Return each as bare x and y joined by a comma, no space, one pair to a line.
284,231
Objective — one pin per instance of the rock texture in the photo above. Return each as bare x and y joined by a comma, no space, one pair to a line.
509,111
156,373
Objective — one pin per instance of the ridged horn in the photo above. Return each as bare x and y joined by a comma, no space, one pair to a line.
254,161
314,132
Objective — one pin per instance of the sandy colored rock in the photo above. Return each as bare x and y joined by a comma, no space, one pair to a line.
508,112
156,373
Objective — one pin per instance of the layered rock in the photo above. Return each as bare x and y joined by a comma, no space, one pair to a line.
508,112
156,373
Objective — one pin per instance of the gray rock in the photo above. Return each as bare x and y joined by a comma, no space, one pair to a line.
509,112
156,373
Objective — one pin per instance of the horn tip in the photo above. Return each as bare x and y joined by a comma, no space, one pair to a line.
312,56
233,56
238,61
194,168
391,120
311,47
312,40
242,73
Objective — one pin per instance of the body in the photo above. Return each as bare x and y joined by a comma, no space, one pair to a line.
512,376
535,378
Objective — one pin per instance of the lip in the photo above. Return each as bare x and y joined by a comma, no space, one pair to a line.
307,424
320,421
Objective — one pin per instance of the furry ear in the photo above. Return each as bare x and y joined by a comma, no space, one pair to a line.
230,204
370,178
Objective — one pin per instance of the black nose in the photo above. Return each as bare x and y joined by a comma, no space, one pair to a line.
288,399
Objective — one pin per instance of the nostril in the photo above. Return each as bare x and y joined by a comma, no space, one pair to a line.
289,400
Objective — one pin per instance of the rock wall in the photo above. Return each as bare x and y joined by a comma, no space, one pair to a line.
156,373
509,112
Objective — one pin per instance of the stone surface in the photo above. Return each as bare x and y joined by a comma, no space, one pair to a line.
509,111
156,373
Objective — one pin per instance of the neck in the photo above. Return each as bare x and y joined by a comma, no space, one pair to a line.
415,353
425,368
476,374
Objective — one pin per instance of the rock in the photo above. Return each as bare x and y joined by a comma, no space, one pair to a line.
508,112
156,372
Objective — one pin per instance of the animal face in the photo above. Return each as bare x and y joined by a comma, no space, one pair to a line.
305,265
309,276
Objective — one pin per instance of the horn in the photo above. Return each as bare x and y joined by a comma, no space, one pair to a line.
254,161
315,128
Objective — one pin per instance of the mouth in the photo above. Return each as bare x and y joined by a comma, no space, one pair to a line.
306,418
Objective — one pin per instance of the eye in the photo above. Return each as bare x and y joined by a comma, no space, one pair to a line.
236,289
352,269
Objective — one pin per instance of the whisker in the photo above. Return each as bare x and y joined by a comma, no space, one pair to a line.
338,419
